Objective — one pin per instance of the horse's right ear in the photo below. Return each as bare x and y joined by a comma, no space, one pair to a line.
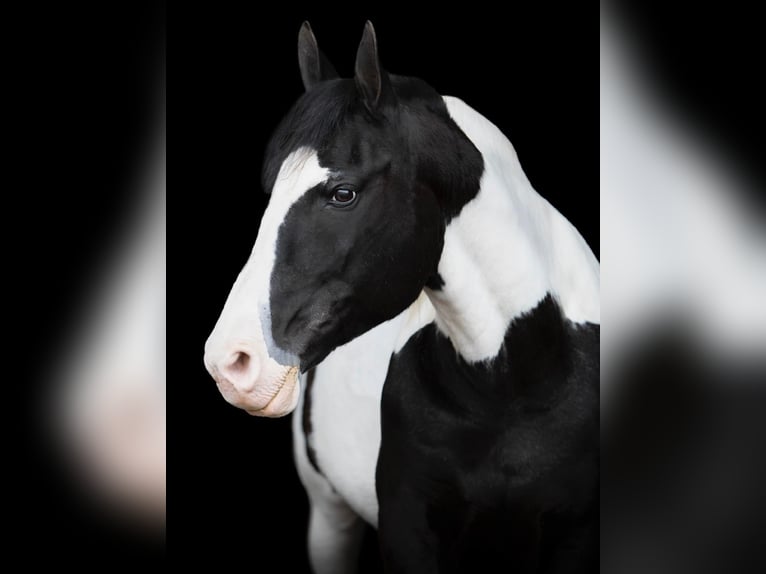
314,65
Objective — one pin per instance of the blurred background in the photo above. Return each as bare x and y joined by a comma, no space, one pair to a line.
84,269
683,265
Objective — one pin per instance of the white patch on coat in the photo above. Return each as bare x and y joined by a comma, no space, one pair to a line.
417,316
345,414
506,249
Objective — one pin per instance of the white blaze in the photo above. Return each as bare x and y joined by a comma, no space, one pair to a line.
260,383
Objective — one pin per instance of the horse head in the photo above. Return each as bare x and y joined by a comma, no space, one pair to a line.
363,176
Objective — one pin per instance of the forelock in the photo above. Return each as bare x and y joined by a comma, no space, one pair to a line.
312,121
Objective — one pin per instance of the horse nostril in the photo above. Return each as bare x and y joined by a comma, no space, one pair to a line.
241,370
240,364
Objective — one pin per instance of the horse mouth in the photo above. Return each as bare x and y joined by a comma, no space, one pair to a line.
284,400
274,394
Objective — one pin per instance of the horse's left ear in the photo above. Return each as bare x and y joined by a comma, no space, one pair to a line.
314,65
371,80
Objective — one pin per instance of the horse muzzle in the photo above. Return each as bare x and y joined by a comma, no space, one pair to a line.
251,380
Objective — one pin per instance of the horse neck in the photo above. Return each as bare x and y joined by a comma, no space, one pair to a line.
505,251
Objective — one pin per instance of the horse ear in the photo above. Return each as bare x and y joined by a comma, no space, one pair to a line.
372,81
314,65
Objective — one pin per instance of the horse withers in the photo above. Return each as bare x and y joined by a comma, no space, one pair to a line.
435,321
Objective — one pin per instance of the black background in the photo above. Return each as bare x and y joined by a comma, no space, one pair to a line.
532,75
80,95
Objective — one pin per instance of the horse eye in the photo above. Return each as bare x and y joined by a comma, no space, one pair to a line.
343,196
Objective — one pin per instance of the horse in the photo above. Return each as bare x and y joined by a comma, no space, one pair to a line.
435,322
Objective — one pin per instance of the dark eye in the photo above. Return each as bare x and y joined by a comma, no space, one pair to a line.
343,196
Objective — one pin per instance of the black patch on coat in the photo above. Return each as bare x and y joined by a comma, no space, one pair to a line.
342,270
435,282
306,420
492,467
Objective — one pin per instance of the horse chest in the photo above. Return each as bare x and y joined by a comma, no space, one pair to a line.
465,473
342,423
456,445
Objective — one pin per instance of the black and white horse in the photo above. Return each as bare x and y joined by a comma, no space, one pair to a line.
441,319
